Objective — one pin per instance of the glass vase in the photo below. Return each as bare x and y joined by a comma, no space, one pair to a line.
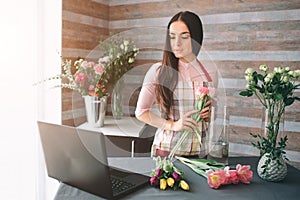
117,105
218,144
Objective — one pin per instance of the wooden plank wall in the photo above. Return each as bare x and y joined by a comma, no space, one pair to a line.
237,34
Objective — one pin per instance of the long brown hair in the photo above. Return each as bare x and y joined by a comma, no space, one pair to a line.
167,74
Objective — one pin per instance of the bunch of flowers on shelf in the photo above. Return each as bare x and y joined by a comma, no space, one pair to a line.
86,79
120,55
167,175
217,174
275,90
202,96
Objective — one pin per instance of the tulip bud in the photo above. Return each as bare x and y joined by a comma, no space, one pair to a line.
184,185
176,176
154,181
158,172
170,182
162,184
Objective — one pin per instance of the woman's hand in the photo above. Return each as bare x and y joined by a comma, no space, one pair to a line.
205,113
185,123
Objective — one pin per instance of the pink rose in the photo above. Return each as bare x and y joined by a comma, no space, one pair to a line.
80,78
244,173
215,178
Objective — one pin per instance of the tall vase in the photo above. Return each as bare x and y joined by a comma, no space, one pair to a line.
218,144
116,103
95,110
272,168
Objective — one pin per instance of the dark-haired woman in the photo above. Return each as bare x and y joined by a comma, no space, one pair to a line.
170,85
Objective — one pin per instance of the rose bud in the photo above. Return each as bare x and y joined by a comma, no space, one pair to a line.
154,181
175,176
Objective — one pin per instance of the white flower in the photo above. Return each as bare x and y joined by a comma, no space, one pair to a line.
249,71
248,86
267,79
287,69
126,42
122,46
104,59
130,60
264,68
249,78
279,70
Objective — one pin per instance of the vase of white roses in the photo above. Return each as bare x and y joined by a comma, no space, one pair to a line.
275,90
121,55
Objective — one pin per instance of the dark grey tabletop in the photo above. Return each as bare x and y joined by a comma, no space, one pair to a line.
259,189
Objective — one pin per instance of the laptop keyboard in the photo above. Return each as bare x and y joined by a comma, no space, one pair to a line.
119,185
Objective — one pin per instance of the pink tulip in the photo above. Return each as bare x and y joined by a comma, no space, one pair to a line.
201,91
231,176
176,176
215,178
244,173
154,181
158,172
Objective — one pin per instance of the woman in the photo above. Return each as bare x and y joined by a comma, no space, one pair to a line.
171,83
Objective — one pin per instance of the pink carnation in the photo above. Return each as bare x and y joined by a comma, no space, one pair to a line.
98,69
80,78
215,178
244,173
91,87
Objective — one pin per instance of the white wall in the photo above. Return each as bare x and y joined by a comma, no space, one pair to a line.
29,38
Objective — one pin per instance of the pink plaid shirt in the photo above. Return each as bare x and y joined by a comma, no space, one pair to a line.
190,74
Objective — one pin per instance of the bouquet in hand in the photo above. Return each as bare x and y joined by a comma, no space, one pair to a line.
201,98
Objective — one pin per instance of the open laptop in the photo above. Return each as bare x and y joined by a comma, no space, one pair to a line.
78,158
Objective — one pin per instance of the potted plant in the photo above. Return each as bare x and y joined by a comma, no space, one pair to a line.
275,90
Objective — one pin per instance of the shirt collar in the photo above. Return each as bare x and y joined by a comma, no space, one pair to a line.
187,65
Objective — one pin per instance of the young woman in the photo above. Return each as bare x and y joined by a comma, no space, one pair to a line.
171,85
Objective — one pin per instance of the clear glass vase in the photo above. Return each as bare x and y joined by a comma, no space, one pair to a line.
117,105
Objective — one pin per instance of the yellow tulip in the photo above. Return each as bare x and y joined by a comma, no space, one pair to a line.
170,182
162,184
184,185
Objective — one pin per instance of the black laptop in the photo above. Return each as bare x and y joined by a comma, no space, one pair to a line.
78,158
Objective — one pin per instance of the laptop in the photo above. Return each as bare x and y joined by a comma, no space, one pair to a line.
78,158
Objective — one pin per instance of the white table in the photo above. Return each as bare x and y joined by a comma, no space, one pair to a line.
124,127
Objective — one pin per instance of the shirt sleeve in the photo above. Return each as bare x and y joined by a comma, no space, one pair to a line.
147,94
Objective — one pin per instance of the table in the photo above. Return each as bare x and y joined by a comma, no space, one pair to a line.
258,189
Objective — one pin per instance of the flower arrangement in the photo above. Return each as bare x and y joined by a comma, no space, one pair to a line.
217,174
167,175
86,80
275,90
120,54
202,97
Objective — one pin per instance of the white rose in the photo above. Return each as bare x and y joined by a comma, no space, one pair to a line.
249,78
122,46
284,79
249,71
287,69
263,68
126,42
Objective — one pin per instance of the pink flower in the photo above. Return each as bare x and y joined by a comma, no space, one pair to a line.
244,173
80,78
215,178
98,69
91,87
201,91
158,172
154,181
231,176
176,176
86,64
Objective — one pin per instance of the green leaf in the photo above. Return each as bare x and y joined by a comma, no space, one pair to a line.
289,101
247,93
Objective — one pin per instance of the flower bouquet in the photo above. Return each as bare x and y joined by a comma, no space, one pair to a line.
217,174
275,90
202,96
167,175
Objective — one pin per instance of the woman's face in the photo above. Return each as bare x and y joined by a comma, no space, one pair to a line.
180,41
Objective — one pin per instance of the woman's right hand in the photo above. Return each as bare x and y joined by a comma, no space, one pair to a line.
185,123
